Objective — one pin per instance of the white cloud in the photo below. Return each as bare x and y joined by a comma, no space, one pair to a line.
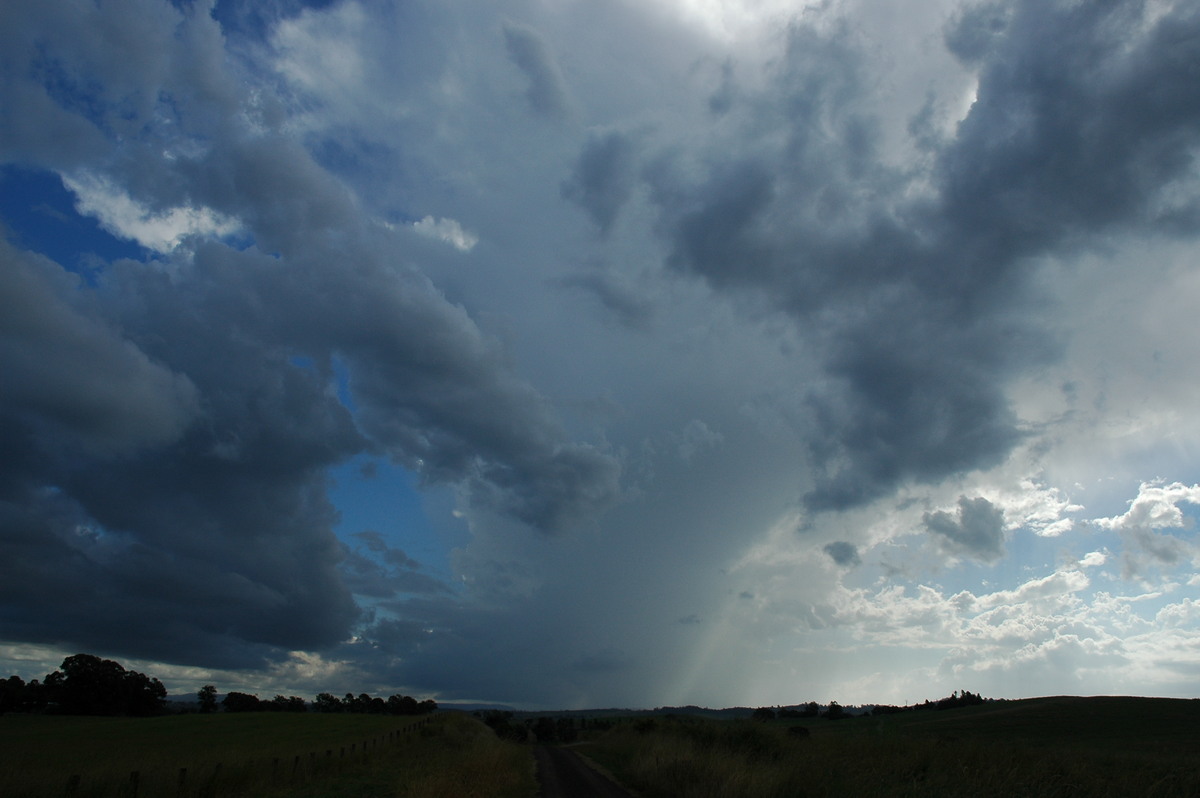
125,217
447,230
1156,507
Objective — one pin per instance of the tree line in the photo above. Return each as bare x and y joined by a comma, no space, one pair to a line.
87,685
835,711
362,703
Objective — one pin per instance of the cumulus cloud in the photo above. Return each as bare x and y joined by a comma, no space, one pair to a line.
68,368
1156,508
447,230
126,218
976,529
843,553
912,298
211,538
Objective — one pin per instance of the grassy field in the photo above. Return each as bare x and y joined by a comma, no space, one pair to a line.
1038,747
259,754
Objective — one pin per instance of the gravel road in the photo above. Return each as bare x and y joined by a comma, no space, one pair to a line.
563,774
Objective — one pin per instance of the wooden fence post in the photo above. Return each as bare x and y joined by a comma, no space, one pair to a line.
182,785
212,782
72,785
134,778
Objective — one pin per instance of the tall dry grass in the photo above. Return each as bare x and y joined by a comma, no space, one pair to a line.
707,759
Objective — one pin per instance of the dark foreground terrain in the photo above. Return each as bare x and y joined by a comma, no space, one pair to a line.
1062,746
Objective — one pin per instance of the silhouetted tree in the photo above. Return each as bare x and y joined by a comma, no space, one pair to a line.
327,702
88,685
403,705
763,713
501,723
207,696
12,694
35,697
835,711
289,704
241,702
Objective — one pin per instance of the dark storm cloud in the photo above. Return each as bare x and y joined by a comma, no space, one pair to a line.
67,368
163,490
428,385
843,553
615,295
547,92
1086,120
1086,123
604,177
976,530
213,546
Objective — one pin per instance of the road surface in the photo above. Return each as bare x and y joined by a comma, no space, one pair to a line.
563,774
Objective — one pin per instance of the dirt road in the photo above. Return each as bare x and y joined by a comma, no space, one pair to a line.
563,774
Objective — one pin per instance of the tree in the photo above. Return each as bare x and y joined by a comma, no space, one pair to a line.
764,714
241,702
327,702
286,704
143,695
501,722
12,694
403,705
88,685
207,696
835,711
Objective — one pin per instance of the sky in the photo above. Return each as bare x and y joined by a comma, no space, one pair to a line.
566,354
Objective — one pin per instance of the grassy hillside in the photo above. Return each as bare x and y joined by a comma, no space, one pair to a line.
260,754
1050,746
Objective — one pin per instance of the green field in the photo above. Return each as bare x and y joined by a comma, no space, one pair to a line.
259,754
1037,747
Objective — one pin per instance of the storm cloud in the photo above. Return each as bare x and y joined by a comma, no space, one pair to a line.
686,346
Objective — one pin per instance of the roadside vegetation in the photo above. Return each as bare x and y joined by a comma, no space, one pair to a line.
1059,747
